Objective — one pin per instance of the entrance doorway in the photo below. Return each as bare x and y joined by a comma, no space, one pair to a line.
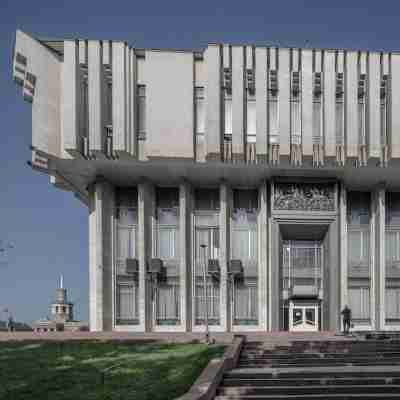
303,317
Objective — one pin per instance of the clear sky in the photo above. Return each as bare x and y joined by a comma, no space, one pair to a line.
49,227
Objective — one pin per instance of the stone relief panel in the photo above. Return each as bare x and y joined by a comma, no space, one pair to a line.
304,197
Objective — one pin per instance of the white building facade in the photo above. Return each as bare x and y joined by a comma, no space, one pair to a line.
253,188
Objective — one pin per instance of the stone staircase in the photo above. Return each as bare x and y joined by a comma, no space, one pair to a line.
315,368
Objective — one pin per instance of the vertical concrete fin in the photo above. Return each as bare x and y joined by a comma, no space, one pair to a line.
119,119
212,57
373,123
261,102
329,96
71,101
394,128
284,101
351,101
95,89
307,101
238,101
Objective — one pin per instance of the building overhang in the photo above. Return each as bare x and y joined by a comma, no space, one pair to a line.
79,174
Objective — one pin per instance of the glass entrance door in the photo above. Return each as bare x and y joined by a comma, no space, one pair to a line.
303,317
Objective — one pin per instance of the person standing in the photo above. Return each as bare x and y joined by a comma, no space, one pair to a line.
346,313
10,324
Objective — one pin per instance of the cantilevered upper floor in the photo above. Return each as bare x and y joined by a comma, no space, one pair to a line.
101,101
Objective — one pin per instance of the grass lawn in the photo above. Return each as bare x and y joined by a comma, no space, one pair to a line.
71,370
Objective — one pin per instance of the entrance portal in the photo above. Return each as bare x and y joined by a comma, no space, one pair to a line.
303,317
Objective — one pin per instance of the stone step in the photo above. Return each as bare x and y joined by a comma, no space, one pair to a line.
327,396
318,355
312,372
315,364
318,389
232,382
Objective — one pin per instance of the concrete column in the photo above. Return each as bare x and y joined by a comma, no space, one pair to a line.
380,267
273,278
101,222
343,246
224,254
333,282
185,253
372,274
263,253
144,252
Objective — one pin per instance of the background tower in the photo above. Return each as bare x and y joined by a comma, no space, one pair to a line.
61,309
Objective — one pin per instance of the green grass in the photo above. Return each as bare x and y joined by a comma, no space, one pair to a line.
72,370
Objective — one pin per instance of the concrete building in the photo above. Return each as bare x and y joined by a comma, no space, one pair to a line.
284,162
62,315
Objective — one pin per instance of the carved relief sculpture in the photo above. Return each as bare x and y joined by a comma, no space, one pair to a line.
304,197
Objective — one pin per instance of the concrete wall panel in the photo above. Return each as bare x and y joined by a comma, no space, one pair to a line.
45,66
170,129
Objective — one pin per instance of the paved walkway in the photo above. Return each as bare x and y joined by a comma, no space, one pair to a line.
274,338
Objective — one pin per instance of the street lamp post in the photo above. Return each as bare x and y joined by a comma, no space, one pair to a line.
204,248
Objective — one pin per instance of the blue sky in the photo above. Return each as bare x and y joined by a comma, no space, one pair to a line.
49,227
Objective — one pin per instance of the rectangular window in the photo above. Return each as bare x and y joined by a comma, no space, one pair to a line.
168,304
392,248
339,109
167,242
141,111
296,121
383,111
207,199
127,301
251,118
317,120
358,208
358,247
317,108
273,107
392,304
359,303
295,108
361,121
392,208
361,109
245,304
273,116
200,111
228,113
244,244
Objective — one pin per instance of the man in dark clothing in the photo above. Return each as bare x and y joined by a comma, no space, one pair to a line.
346,312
